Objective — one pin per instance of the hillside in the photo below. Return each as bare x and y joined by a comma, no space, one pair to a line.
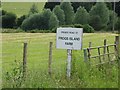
21,8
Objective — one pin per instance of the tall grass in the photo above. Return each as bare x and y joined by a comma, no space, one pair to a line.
37,76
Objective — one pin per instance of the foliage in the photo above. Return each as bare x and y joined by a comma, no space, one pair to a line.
81,16
15,76
78,25
99,16
46,16
51,5
112,19
37,68
88,29
9,20
118,25
20,20
53,22
69,13
60,14
37,21
31,22
86,5
12,30
3,12
33,9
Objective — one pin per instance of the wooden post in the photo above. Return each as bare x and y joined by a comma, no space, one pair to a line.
104,49
117,43
90,44
50,58
24,58
85,55
69,59
88,49
108,53
99,54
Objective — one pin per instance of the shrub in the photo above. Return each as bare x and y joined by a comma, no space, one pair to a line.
78,26
37,21
20,20
88,29
9,20
67,26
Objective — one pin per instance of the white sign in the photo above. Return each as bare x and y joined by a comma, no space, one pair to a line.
69,38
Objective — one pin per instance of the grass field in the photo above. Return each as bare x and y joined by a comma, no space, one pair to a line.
21,8
37,62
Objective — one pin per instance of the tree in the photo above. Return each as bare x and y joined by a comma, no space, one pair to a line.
37,21
33,9
53,22
20,20
112,19
86,5
69,13
60,14
46,16
118,25
51,5
81,16
9,20
99,16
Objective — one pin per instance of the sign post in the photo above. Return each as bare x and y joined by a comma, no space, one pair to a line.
70,39
69,59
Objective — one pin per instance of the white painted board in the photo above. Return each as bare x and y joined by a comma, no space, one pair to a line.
69,38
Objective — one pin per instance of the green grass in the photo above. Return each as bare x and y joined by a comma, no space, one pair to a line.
21,8
37,62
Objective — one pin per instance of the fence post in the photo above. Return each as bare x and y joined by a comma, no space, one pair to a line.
69,60
50,59
90,44
85,55
104,49
117,43
24,58
88,49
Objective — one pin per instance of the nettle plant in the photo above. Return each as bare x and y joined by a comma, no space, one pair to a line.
15,76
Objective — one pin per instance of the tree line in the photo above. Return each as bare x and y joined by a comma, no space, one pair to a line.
90,16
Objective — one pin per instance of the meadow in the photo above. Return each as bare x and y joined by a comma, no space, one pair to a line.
21,8
37,63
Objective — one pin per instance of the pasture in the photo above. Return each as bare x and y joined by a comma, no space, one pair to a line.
21,8
37,62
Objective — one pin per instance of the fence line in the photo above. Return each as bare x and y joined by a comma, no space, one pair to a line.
106,52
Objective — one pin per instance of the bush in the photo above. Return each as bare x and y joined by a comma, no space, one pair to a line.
78,25
37,21
9,20
88,29
20,20
67,26
12,31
